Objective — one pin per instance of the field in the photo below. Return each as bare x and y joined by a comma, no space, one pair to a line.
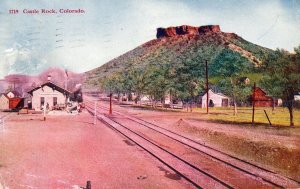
278,117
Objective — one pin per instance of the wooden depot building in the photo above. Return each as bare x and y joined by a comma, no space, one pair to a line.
49,93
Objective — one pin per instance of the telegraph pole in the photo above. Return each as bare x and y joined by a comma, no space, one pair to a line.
206,74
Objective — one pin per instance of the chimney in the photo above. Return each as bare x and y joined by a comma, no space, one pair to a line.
49,77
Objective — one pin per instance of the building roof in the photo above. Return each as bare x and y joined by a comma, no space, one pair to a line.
221,94
260,95
51,85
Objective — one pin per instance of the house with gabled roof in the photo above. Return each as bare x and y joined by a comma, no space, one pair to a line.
214,99
49,94
262,99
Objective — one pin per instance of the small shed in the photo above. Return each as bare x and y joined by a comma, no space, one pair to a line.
16,103
297,97
262,99
214,99
7,103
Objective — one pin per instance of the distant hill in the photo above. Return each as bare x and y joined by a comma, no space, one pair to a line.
175,44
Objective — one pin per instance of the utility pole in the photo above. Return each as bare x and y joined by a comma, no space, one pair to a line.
253,103
206,74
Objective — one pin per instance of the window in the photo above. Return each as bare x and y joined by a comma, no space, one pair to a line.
54,101
42,101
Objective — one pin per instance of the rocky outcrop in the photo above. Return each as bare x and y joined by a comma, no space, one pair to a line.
186,30
245,54
209,28
166,32
183,30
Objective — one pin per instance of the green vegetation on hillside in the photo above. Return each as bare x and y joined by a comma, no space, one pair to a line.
176,66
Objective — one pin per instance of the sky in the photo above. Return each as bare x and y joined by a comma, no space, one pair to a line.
31,43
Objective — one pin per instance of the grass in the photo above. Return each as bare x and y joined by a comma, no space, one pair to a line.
279,117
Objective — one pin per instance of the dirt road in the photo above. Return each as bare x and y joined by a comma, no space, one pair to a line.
66,151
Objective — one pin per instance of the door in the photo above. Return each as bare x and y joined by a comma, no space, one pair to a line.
42,102
54,101
224,102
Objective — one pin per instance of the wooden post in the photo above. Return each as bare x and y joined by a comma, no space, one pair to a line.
267,117
110,103
253,103
206,73
88,185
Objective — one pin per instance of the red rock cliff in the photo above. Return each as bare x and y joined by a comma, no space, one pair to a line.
186,30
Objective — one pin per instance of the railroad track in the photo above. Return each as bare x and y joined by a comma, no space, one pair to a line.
200,168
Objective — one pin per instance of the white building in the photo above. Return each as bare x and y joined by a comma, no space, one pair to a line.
297,97
49,93
10,94
214,99
4,102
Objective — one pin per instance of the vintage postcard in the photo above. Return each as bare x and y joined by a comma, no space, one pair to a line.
149,94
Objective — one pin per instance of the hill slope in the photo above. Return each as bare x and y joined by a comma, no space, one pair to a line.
176,44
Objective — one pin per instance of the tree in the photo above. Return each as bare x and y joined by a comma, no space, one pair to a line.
241,90
138,77
157,82
114,84
231,66
188,78
282,77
